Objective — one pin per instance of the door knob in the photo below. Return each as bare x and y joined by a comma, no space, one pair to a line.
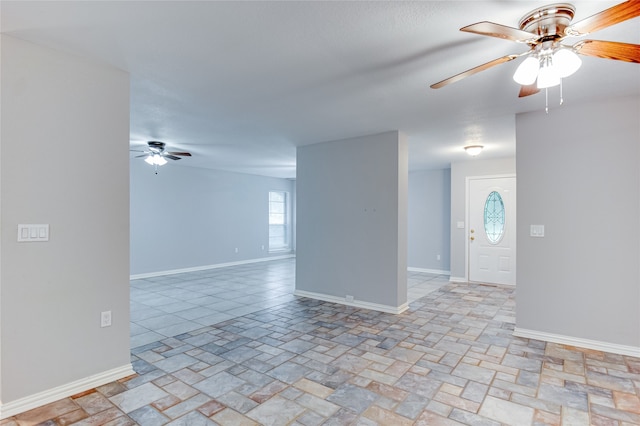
473,238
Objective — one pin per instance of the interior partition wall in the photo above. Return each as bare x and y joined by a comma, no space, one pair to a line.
59,113
352,221
579,225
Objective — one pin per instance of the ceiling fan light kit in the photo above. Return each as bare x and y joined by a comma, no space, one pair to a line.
548,75
156,155
155,159
547,68
548,61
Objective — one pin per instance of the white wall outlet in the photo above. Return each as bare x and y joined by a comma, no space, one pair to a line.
437,257
349,298
236,249
105,319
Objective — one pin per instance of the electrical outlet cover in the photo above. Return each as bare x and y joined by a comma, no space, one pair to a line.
105,319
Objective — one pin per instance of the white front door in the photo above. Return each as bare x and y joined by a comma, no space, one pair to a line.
492,230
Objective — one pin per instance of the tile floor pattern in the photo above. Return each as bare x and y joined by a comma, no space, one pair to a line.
170,305
174,304
450,359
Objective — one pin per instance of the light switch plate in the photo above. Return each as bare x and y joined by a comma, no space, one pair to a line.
33,232
537,231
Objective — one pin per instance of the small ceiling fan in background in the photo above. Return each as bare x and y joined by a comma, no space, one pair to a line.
548,60
156,155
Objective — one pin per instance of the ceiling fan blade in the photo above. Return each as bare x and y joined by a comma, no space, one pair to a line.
172,157
184,154
143,155
528,90
609,50
475,70
614,15
492,29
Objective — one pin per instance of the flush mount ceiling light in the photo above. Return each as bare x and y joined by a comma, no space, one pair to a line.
473,150
548,61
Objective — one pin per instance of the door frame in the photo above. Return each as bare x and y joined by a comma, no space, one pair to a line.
467,215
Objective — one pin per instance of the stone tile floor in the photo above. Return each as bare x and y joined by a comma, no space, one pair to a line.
174,304
450,359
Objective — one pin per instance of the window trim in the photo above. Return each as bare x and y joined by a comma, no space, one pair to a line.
286,226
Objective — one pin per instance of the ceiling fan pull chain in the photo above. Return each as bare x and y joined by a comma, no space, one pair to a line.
561,98
546,100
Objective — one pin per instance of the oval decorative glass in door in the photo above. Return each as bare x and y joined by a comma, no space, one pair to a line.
494,217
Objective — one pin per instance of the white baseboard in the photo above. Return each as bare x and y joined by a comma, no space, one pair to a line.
206,267
458,279
42,398
578,342
356,303
429,271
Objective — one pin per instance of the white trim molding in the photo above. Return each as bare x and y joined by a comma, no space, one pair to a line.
578,342
206,267
429,271
42,398
355,303
458,280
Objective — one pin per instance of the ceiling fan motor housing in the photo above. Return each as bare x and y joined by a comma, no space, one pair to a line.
548,22
155,145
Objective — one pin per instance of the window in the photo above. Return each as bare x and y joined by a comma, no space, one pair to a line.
494,217
278,221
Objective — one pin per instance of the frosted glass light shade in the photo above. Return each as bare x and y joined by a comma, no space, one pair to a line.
473,150
548,76
156,159
567,62
527,71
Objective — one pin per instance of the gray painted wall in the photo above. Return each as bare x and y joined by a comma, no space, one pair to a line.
429,219
187,217
59,112
352,219
459,172
581,180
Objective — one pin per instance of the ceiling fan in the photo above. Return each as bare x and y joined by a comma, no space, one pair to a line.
156,155
548,60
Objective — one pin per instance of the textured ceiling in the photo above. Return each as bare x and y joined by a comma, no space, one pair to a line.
241,84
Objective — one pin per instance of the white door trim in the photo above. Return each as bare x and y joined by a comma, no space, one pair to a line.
467,216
